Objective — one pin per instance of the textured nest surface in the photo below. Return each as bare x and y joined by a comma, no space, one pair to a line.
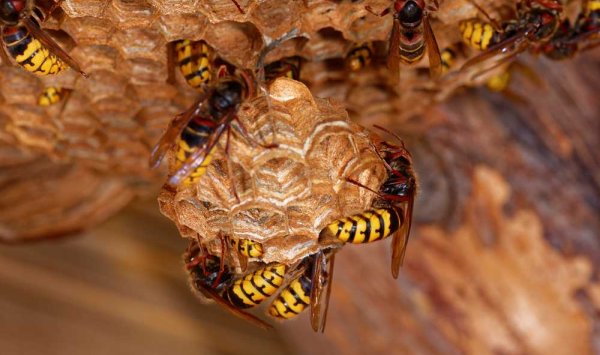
111,120
287,193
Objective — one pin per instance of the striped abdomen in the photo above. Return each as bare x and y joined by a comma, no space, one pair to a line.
412,45
284,68
193,136
359,57
448,57
247,247
51,95
252,289
193,60
478,34
29,53
365,227
292,300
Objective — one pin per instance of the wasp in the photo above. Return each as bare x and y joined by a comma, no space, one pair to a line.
411,34
30,46
194,60
211,277
359,56
196,131
286,67
392,210
569,39
53,95
536,22
309,285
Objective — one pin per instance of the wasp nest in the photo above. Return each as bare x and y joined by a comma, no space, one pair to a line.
110,121
289,174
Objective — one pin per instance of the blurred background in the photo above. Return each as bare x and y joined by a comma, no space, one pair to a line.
504,255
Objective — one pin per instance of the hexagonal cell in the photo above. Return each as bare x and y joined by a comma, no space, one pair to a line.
259,223
281,178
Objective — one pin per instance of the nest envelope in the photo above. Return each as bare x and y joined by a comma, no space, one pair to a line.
290,186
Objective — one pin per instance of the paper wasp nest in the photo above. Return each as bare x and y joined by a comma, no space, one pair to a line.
112,119
290,177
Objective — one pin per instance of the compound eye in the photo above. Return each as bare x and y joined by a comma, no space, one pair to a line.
411,13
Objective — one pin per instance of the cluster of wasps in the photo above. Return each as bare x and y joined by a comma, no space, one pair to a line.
194,134
536,26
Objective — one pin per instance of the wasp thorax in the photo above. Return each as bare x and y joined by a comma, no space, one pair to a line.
227,95
547,24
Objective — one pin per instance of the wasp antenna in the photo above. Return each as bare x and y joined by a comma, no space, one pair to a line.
239,7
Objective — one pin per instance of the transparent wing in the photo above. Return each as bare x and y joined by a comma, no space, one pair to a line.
171,63
433,51
400,240
47,41
197,158
170,136
393,57
236,311
494,50
321,289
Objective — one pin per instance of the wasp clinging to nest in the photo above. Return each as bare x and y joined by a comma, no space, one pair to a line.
30,46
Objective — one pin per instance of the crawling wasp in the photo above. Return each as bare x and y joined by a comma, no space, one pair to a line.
211,277
411,34
306,283
197,130
569,39
392,210
536,22
30,46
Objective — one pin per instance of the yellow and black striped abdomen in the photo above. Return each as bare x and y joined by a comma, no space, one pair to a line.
193,60
478,34
359,57
448,57
247,247
51,95
365,227
29,53
194,135
412,47
252,289
293,299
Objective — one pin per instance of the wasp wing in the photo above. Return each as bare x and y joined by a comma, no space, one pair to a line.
175,128
491,52
322,279
171,63
433,51
197,158
393,57
400,239
48,42
237,312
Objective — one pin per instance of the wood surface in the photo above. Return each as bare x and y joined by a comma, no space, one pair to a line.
504,254
120,289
